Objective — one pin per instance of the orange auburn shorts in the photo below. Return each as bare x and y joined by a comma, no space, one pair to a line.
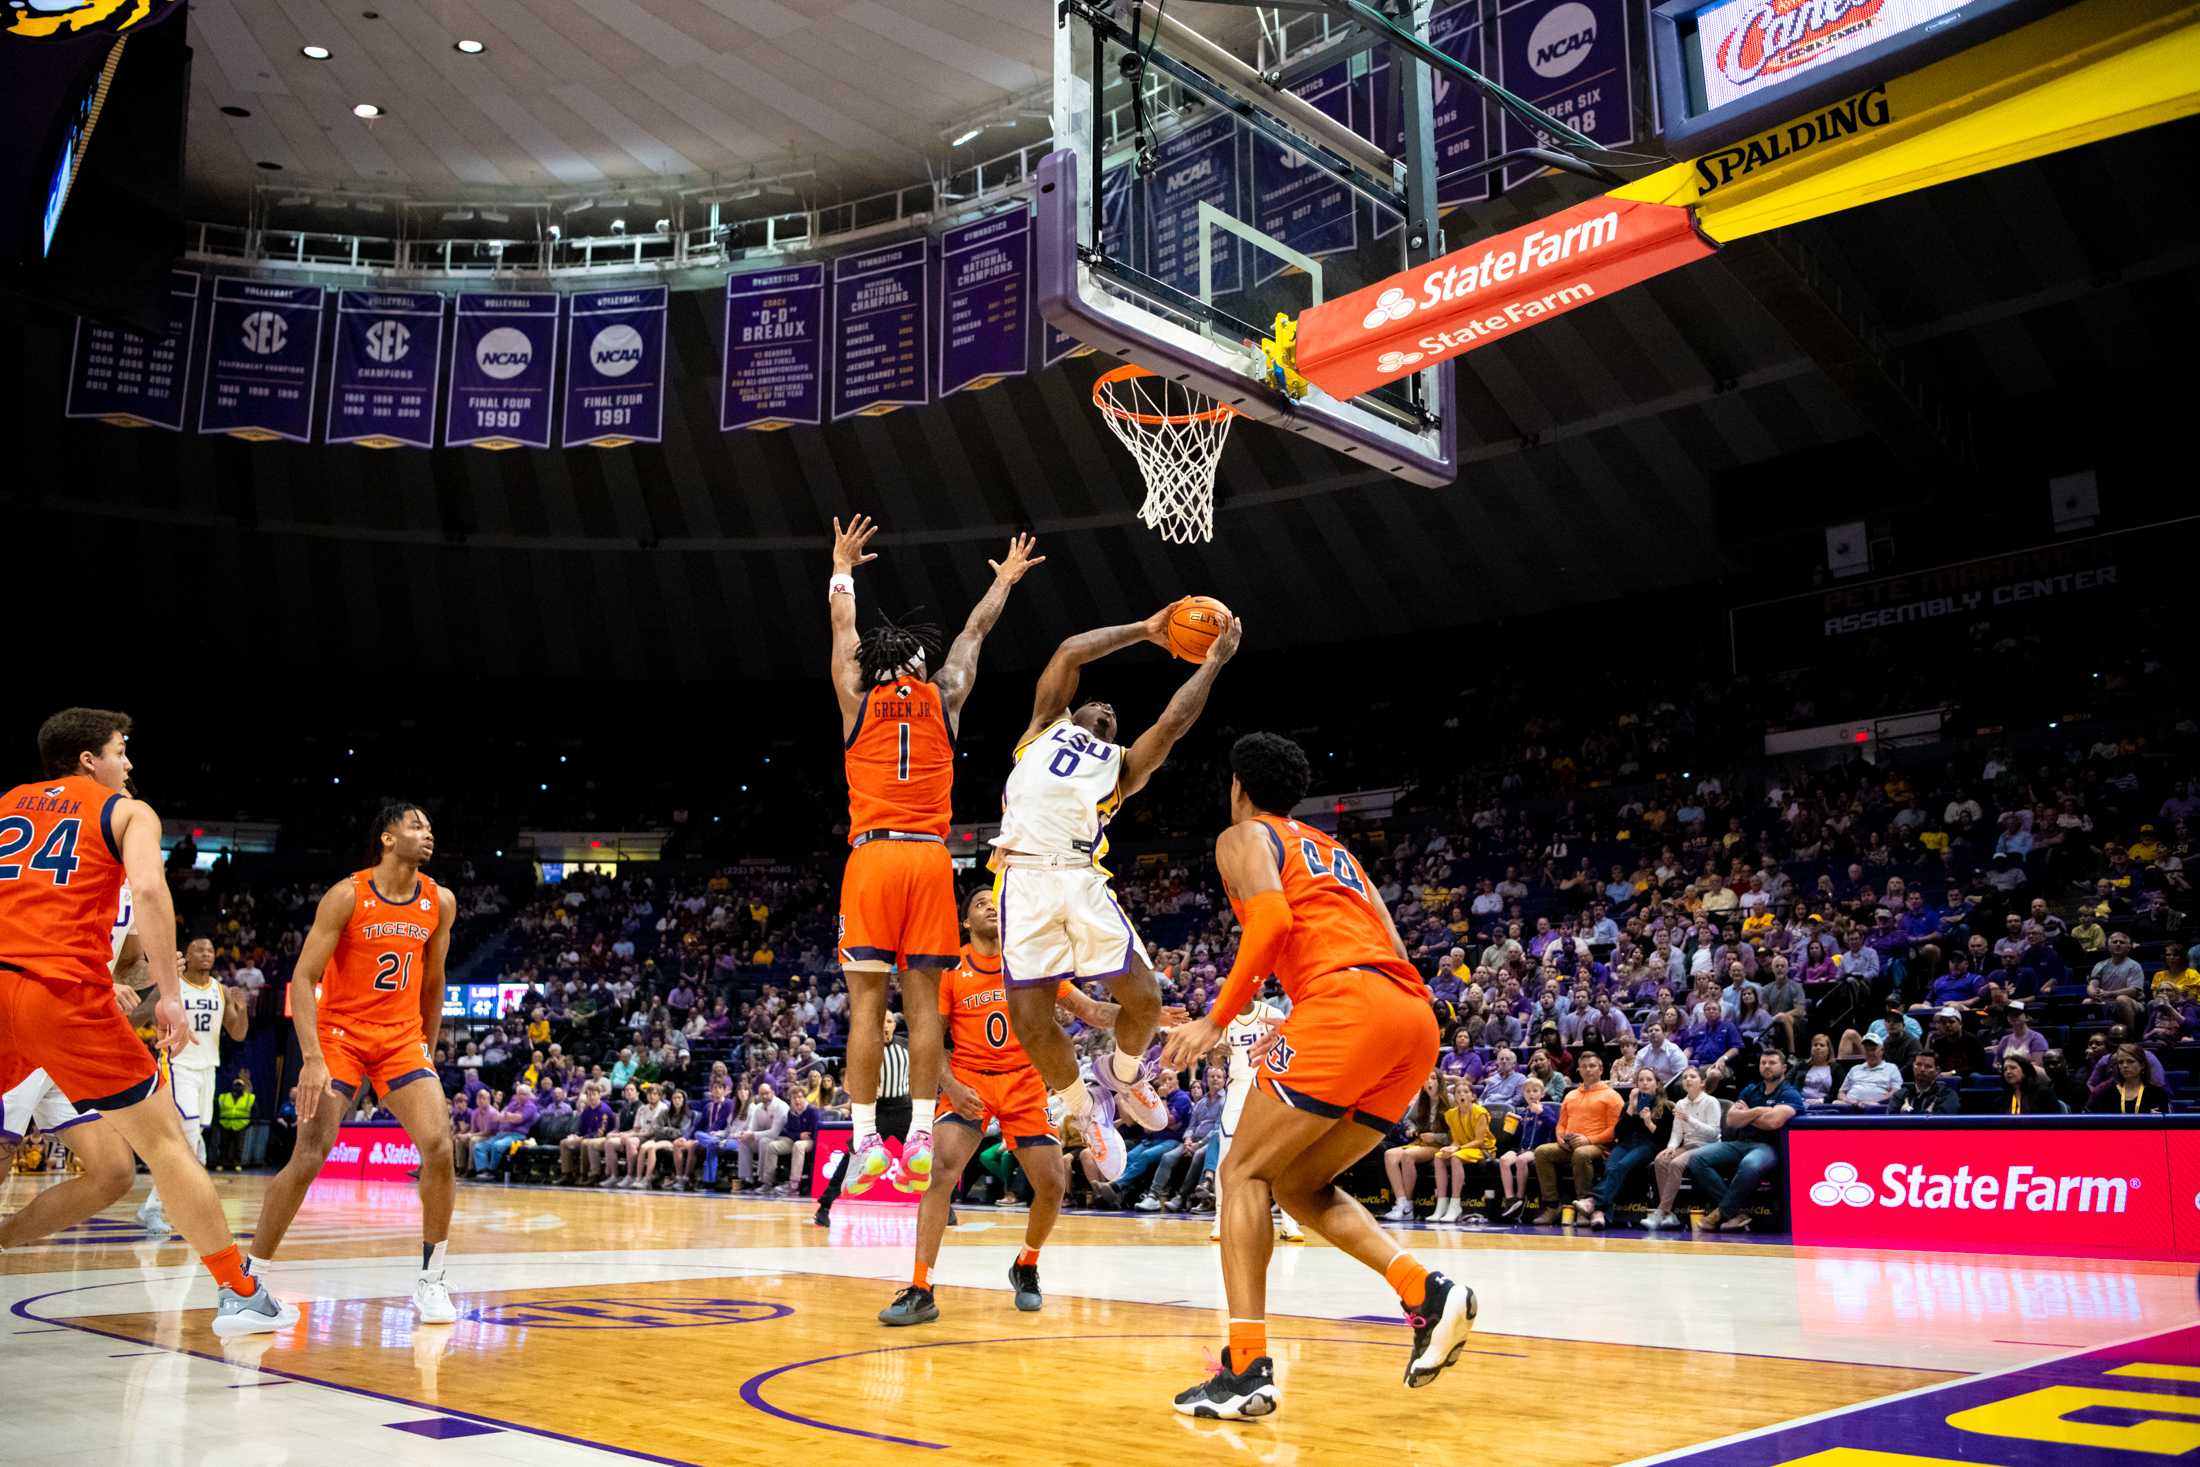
389,1059
1017,1097
897,906
76,1033
1356,1044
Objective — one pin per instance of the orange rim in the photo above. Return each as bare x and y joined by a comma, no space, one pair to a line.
1103,401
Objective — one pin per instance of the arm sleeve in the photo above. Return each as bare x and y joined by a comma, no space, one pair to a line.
1267,928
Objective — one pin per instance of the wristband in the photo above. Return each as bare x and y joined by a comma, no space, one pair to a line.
842,584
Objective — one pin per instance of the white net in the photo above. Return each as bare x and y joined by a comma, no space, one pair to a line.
1176,435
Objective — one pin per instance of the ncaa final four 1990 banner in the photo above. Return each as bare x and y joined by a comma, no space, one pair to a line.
263,360
382,369
615,367
504,362
135,381
775,349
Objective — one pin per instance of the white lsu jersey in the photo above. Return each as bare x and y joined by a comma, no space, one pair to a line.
1242,1033
1065,788
125,924
202,1017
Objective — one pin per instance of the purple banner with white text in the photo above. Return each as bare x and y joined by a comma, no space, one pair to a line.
135,381
881,329
504,365
775,349
382,368
985,299
1570,58
615,367
263,360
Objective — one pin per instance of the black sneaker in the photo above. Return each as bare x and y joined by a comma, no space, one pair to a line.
952,1220
1514,1208
1233,1395
1440,1328
823,1217
911,1306
1024,1279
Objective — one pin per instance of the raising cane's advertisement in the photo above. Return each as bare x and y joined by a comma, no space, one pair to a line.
1749,47
2109,1191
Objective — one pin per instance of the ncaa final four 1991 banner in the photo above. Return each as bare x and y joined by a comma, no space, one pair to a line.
136,381
504,362
263,359
382,369
615,367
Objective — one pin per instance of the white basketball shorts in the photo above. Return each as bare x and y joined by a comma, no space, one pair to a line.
1062,922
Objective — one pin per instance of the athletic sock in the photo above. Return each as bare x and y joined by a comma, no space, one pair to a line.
1029,1258
1136,1066
863,1120
921,1277
1248,1342
921,1113
228,1269
431,1259
1409,1277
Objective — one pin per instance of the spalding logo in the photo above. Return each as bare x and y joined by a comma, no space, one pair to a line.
504,353
616,351
1561,40
39,20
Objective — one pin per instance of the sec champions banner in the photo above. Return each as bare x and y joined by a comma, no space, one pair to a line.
775,349
263,360
503,368
615,367
135,381
382,369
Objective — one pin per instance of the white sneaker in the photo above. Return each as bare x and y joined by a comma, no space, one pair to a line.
1289,1231
1214,1235
151,1218
252,1314
432,1300
1133,1098
1148,1204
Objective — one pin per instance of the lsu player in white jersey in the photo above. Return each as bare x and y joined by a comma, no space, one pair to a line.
209,1011
29,1098
1253,1023
1058,917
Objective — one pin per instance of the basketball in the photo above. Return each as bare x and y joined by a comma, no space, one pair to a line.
1194,625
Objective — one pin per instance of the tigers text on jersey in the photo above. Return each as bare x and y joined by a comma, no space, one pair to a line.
381,953
202,1020
901,762
1243,1032
1065,788
1335,924
60,878
974,1001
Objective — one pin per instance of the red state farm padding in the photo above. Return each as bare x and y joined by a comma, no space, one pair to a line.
1491,288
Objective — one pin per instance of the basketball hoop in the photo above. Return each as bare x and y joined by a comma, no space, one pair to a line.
1176,434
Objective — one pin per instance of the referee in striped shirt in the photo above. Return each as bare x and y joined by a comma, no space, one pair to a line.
893,1111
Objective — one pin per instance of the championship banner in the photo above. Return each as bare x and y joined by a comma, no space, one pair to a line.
503,369
382,369
881,329
132,381
1492,287
775,349
1296,202
263,361
1462,133
2100,68
985,302
1570,58
615,367
1199,164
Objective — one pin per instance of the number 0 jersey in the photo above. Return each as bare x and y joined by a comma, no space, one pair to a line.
60,878
974,1002
901,762
1065,788
1334,922
368,988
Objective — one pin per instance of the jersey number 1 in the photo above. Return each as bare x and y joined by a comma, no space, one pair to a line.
393,972
901,770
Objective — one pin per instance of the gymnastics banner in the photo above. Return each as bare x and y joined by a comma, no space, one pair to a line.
775,349
615,367
882,329
133,381
985,302
382,368
503,370
263,361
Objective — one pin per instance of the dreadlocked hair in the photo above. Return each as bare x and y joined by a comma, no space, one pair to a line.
883,651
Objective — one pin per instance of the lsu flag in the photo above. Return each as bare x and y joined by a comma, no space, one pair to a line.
135,381
263,361
775,349
503,369
615,367
383,367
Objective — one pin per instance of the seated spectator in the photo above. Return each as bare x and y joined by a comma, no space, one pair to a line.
1587,1122
2130,1092
1660,1053
1179,1173
754,1154
1541,1067
711,1138
674,1126
1818,1080
2107,1066
1729,1171
1713,1043
2019,1038
1506,1081
623,1146
1531,1123
1460,1059
796,1141
1625,1063
1927,1093
1786,1001
2069,1087
2176,977
1957,1052
511,1128
1958,988
2117,983
1148,1153
1695,1124
1643,1126
1871,1085
580,1154
1425,1135
2025,1089
1900,1036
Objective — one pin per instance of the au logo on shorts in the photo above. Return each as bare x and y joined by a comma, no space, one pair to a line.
1279,1059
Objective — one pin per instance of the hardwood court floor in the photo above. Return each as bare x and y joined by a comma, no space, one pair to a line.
707,1330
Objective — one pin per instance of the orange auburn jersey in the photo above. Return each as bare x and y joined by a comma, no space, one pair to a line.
901,761
1335,924
381,954
974,1001
60,878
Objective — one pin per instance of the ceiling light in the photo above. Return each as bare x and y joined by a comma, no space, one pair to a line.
578,206
556,233
314,53
247,112
664,226
494,216
966,137
367,110
618,226
468,48
458,216
270,167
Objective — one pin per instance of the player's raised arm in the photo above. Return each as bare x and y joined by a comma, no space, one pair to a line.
959,673
1246,855
1153,746
840,597
1058,684
439,948
313,960
137,832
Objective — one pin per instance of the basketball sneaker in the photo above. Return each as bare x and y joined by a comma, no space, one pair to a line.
1135,1098
1233,1395
1108,1151
869,1162
257,1313
911,1306
1440,1328
151,1218
915,1172
1287,1228
1024,1279
432,1300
